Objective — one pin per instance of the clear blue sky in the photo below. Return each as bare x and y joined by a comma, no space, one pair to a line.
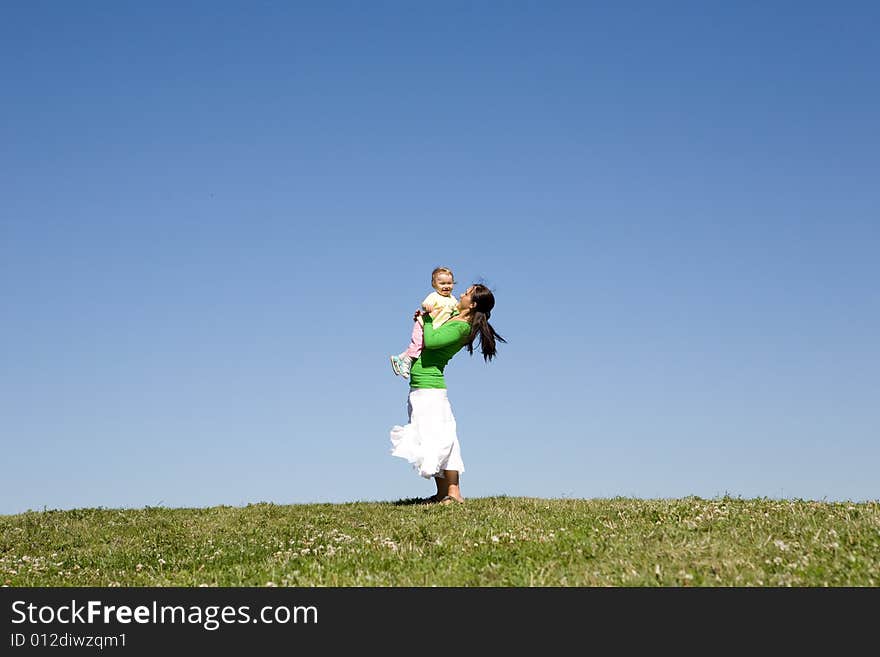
218,217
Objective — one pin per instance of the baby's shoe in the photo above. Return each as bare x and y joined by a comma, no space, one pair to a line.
405,363
396,365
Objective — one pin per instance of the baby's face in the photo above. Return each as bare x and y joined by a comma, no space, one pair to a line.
443,284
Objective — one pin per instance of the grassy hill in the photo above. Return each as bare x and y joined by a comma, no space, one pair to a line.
495,541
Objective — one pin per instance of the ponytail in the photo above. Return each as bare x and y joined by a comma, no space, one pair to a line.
488,336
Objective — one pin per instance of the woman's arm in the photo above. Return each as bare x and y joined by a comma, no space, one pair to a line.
449,333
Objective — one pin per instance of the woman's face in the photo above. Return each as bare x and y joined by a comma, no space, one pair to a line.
464,301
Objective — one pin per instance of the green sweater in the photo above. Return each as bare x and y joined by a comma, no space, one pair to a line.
440,345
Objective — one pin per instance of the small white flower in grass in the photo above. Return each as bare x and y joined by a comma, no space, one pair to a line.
271,584
161,561
780,544
495,539
139,567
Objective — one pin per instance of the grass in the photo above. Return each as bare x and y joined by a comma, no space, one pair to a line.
495,541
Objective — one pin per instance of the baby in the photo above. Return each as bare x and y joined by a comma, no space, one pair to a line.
441,305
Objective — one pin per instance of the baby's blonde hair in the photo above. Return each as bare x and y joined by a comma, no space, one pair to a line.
441,270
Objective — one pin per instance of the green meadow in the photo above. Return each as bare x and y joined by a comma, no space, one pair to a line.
494,541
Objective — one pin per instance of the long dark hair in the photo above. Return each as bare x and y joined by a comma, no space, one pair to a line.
483,301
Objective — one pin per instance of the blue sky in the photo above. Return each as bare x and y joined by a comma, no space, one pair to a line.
218,217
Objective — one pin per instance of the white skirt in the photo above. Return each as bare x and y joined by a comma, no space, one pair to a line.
429,442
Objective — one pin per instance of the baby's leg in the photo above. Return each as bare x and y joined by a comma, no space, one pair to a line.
417,339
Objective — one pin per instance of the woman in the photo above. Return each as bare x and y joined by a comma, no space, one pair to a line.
430,441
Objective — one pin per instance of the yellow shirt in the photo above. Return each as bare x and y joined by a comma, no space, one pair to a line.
446,307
